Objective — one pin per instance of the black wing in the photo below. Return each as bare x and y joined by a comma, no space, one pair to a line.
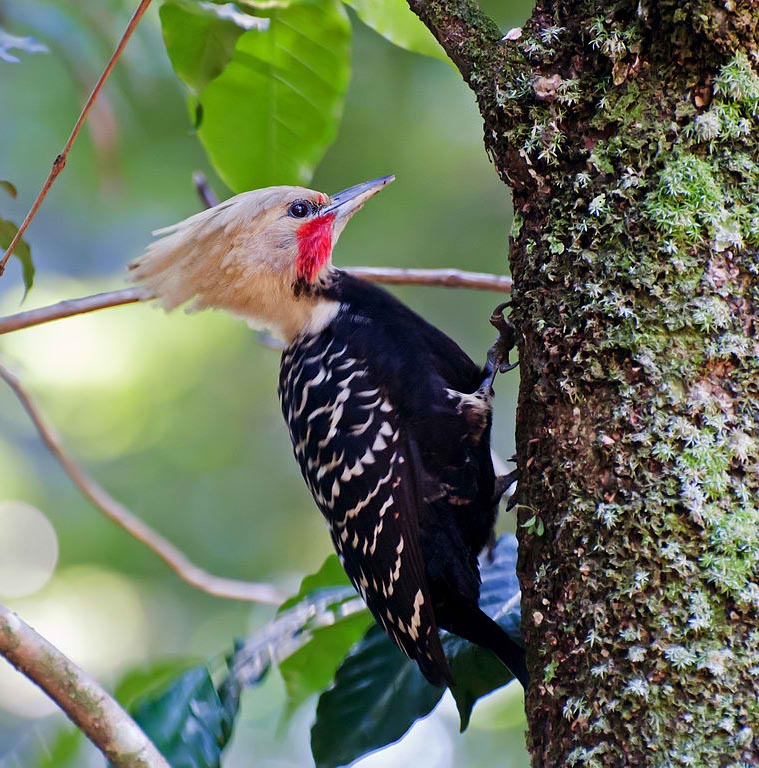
350,442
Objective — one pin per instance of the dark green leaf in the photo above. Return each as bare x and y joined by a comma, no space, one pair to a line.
9,188
200,38
377,696
477,671
384,693
395,21
270,116
22,252
142,681
10,42
190,721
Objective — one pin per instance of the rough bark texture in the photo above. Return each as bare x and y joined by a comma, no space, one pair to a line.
629,134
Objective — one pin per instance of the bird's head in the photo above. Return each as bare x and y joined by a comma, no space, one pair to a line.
259,255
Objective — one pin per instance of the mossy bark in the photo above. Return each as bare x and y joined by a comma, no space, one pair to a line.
629,134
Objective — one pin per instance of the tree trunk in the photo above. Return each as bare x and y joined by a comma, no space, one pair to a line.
629,135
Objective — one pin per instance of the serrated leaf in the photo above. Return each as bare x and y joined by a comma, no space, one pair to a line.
10,42
200,38
377,696
395,21
22,252
190,722
9,188
270,116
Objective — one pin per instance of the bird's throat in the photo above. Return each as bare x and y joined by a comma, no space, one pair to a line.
314,246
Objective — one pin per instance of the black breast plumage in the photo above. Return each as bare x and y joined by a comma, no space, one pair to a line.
394,446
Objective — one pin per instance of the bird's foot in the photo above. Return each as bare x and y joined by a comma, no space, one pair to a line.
502,484
498,355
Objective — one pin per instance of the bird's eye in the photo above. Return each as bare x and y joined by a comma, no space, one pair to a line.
299,209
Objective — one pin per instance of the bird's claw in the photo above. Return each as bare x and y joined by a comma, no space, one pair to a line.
498,355
503,483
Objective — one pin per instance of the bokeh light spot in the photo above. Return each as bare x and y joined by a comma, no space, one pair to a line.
28,549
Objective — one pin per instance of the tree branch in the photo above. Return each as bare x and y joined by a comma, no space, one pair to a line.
85,703
119,514
495,67
68,308
470,37
60,161
449,278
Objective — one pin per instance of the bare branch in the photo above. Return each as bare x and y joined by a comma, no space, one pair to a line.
60,161
449,278
119,514
85,703
68,308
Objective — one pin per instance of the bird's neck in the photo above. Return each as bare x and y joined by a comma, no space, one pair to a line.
287,310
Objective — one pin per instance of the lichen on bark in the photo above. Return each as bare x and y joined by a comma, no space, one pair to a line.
629,134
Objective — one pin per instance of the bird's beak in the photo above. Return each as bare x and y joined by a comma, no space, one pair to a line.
344,204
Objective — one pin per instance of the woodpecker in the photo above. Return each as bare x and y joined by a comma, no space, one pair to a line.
389,418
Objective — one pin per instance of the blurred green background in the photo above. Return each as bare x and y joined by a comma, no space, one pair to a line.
177,416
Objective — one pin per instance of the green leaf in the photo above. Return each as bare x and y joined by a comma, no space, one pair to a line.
22,252
330,574
477,671
200,38
377,696
140,682
190,721
270,116
61,749
310,669
9,188
395,21
10,42
384,693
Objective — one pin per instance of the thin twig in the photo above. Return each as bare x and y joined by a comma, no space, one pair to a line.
85,703
60,161
448,278
119,514
207,196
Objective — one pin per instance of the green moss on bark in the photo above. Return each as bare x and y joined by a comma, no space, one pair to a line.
629,134
635,269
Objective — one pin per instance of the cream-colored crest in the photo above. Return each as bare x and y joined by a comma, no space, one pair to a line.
239,256
242,256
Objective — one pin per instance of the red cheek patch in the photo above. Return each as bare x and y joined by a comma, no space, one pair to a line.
314,246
